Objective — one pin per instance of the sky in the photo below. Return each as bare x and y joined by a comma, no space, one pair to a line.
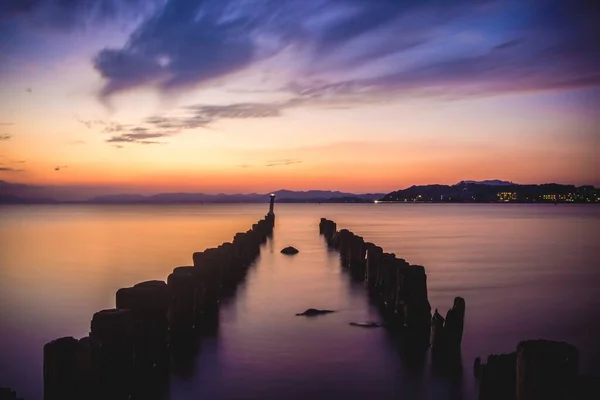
239,96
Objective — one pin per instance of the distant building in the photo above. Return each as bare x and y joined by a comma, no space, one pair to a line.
507,196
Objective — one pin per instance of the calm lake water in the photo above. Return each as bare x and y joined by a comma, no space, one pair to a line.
526,271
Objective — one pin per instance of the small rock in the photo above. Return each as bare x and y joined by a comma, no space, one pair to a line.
313,311
289,250
367,324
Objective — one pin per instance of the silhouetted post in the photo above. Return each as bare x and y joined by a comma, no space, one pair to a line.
67,369
417,311
357,256
8,394
374,256
322,225
343,241
400,270
149,303
182,284
497,377
113,352
546,370
455,322
328,228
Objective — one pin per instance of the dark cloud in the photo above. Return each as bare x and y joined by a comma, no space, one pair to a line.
5,136
58,168
191,42
279,163
185,43
68,14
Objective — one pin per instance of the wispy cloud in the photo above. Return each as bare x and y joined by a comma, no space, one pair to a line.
201,115
10,165
138,137
10,169
5,136
279,163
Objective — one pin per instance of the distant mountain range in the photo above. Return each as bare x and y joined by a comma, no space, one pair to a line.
310,196
24,194
464,191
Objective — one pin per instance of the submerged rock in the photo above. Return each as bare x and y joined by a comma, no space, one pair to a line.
290,250
367,324
313,311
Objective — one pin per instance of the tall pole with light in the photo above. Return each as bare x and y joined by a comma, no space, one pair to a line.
271,206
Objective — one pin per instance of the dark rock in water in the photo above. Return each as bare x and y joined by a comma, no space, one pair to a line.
367,324
313,311
290,250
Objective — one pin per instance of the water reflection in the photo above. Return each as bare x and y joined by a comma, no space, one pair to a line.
525,271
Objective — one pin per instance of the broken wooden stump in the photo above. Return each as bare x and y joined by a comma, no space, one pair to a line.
539,369
546,370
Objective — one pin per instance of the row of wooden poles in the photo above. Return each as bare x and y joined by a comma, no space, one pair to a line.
538,370
132,346
400,289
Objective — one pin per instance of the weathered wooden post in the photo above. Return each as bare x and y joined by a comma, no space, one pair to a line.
182,284
343,243
357,256
67,369
329,230
8,394
149,304
454,326
417,311
374,257
400,270
546,370
497,377
112,352
322,225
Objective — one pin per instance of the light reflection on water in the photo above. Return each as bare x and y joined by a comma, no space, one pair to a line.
526,271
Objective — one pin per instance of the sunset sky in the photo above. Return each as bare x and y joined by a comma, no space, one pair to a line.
109,96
